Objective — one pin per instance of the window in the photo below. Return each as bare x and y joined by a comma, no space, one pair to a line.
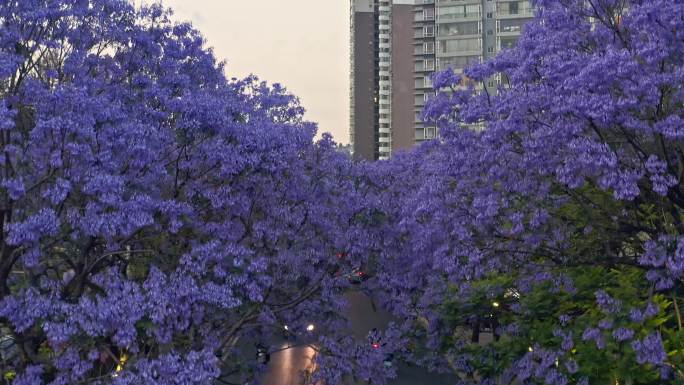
459,11
427,82
462,45
459,29
506,42
458,61
489,15
514,8
429,31
511,25
429,47
429,14
429,132
429,65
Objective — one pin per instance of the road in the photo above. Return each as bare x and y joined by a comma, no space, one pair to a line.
288,366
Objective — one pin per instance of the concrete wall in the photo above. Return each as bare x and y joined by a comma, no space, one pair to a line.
364,85
403,132
362,5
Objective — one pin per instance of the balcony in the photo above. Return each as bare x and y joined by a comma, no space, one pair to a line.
520,13
514,9
459,16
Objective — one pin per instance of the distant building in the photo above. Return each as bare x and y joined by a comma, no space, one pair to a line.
397,44
344,148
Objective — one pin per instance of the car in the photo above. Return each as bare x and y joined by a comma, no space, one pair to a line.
8,346
263,356
357,276
292,332
375,340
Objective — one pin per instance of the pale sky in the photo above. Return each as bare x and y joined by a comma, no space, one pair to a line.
302,44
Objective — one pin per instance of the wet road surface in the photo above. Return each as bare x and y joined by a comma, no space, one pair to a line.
290,365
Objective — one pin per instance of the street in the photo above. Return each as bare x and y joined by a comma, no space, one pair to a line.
288,366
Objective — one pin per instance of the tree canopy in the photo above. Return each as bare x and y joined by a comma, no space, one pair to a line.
542,233
159,220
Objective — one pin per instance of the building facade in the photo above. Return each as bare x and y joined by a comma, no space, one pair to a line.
410,40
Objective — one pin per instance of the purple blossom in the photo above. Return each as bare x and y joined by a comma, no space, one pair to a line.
15,188
605,324
571,366
445,79
652,310
623,334
660,178
31,376
636,315
650,349
594,334
606,303
154,201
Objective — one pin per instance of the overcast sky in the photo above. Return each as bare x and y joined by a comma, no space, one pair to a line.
302,44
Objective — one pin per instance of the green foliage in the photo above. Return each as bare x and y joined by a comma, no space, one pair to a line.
530,319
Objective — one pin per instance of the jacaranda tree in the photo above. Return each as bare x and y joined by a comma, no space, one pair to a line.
161,224
157,220
539,241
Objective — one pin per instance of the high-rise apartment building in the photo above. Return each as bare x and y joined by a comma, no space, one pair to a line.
397,44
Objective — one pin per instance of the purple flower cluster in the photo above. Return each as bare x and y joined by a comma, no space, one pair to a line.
606,303
155,211
623,334
557,169
159,220
665,257
650,350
